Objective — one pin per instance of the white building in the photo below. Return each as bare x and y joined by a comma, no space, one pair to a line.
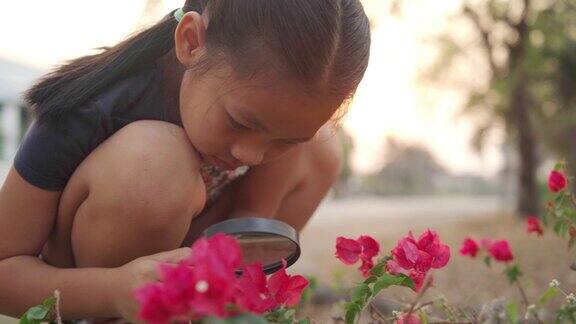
15,78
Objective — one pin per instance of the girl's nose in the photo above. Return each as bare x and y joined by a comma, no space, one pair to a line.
249,153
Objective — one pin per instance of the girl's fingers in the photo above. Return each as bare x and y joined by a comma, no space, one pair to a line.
173,256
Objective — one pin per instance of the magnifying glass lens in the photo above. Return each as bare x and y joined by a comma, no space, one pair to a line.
267,241
265,248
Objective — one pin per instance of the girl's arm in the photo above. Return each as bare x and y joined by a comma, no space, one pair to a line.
27,214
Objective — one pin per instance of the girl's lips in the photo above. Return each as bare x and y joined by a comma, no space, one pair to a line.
218,162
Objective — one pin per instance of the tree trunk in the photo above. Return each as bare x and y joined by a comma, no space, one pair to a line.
528,203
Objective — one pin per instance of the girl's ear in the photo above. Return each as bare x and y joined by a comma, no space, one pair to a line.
189,37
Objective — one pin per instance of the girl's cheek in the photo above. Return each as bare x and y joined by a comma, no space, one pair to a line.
276,152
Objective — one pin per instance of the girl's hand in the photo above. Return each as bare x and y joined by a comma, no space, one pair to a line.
137,273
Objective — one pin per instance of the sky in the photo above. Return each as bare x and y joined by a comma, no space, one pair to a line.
390,101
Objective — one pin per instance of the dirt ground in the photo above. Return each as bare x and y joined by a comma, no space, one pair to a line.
463,281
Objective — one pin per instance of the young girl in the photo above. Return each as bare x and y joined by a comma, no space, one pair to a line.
132,149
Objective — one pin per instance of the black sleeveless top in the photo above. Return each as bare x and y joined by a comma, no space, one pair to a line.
51,151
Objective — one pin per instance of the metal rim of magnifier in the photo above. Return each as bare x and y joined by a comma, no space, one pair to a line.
257,225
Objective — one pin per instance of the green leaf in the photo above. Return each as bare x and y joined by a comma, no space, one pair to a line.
407,282
304,321
289,314
571,242
241,319
564,229
559,200
352,311
24,320
378,269
361,293
558,166
513,273
570,214
387,280
558,227
371,279
512,313
545,218
49,303
37,313
423,317
487,260
547,295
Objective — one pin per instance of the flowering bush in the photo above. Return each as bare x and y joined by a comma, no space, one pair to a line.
561,211
407,265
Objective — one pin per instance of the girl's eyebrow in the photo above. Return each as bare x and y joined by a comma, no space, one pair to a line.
249,118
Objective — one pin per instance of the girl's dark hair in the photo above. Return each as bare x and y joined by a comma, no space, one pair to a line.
324,43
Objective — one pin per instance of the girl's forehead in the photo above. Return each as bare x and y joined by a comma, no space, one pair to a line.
282,109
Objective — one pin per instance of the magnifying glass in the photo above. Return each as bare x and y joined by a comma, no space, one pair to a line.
263,240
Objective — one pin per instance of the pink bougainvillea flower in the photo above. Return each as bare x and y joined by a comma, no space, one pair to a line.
253,295
364,248
408,319
469,247
500,250
348,250
557,181
152,307
178,290
286,289
428,252
429,242
219,251
214,261
406,252
418,278
370,247
533,226
202,285
213,291
365,268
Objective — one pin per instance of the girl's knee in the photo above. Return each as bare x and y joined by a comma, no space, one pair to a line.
325,159
144,188
147,171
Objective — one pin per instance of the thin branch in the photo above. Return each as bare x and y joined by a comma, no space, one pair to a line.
485,35
525,299
58,316
521,27
505,18
375,312
425,287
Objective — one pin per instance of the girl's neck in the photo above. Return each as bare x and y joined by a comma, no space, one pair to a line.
171,78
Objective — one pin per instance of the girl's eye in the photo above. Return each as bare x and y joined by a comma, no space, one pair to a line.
236,125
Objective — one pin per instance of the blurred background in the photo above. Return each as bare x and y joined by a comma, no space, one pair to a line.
465,107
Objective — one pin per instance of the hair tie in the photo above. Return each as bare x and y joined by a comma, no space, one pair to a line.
178,14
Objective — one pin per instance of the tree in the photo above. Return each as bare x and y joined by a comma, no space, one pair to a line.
408,169
521,43
342,187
